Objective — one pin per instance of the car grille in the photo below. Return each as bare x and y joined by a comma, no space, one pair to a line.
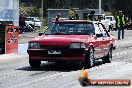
54,47
65,50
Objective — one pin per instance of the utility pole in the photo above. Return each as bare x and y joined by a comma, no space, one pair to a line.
42,10
42,13
100,7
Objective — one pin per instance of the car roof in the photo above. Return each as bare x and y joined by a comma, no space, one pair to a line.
87,21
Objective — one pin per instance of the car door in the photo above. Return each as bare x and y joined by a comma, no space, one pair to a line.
105,39
99,52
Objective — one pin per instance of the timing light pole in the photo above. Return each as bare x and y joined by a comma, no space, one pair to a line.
42,5
42,13
99,7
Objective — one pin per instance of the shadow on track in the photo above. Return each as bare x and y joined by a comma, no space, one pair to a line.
62,67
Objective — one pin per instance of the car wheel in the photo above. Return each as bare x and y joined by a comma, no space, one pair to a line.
108,58
90,58
34,64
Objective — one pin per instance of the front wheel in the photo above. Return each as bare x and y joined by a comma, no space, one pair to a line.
108,58
89,62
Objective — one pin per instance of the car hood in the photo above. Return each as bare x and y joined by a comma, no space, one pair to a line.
60,39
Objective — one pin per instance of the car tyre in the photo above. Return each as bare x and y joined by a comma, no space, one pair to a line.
108,58
34,64
89,58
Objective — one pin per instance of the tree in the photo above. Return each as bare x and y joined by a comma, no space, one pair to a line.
108,5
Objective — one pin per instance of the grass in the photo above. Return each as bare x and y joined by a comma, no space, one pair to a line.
108,14
42,29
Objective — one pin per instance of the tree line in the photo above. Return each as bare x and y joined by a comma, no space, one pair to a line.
108,5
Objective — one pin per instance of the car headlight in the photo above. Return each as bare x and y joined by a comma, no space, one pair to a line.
33,45
77,45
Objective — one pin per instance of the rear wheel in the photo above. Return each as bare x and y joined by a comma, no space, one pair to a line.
89,58
34,64
108,58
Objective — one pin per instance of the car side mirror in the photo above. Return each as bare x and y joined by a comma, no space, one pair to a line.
41,34
99,35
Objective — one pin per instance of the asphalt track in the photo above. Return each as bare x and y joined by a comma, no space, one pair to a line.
15,71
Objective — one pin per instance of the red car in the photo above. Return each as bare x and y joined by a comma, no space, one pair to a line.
72,40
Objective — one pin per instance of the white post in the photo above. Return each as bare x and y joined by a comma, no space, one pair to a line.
42,18
42,10
99,7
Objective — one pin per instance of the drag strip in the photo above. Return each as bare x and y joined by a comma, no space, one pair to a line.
18,73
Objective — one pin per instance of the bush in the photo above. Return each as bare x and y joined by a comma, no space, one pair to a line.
30,11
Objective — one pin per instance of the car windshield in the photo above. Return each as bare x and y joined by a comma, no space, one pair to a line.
70,28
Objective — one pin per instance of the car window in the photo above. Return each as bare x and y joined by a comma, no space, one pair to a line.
72,28
49,29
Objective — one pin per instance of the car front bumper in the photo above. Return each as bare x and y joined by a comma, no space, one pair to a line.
66,55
